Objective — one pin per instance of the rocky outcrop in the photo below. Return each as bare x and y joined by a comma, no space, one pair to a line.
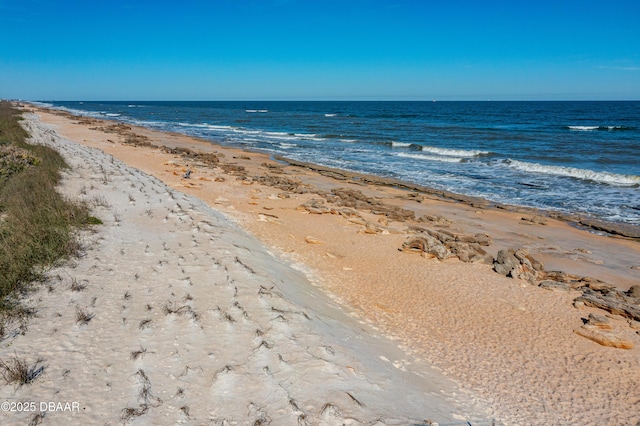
613,301
534,220
554,286
435,220
599,329
634,292
316,206
443,245
596,294
519,264
280,182
577,281
353,198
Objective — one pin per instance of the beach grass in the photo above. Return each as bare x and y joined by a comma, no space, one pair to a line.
37,224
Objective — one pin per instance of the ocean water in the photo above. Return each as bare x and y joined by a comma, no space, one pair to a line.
576,157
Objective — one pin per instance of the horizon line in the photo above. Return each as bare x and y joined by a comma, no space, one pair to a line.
433,100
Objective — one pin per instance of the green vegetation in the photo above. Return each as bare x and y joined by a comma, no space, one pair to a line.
36,223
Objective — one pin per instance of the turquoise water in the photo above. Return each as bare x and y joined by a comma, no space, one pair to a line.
578,157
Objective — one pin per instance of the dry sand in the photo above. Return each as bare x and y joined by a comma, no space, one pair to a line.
508,348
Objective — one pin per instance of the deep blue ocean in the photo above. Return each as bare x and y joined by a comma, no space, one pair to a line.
578,157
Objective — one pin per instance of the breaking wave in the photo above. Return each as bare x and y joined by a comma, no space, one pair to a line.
592,128
430,157
454,152
401,144
572,172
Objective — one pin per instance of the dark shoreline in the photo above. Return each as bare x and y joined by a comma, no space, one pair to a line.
612,229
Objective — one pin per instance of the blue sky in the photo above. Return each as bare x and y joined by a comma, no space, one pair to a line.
319,49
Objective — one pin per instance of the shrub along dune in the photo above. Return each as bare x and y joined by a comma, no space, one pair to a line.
36,223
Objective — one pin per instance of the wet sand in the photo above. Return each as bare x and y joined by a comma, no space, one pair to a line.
510,346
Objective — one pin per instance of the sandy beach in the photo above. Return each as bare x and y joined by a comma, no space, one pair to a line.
226,287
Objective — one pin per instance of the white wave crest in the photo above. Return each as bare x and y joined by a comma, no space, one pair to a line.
205,126
216,127
150,123
430,157
584,174
330,115
454,152
191,125
400,144
584,128
112,114
591,128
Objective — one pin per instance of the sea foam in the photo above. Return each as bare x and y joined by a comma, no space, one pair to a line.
400,144
572,172
454,152
426,157
592,128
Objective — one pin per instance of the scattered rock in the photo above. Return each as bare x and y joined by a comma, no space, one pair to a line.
353,198
634,291
604,338
574,281
584,251
415,196
428,245
436,220
480,239
625,230
347,213
312,240
263,217
332,174
443,244
518,264
536,220
315,206
597,285
234,169
280,182
470,253
613,301
274,167
554,286
599,321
